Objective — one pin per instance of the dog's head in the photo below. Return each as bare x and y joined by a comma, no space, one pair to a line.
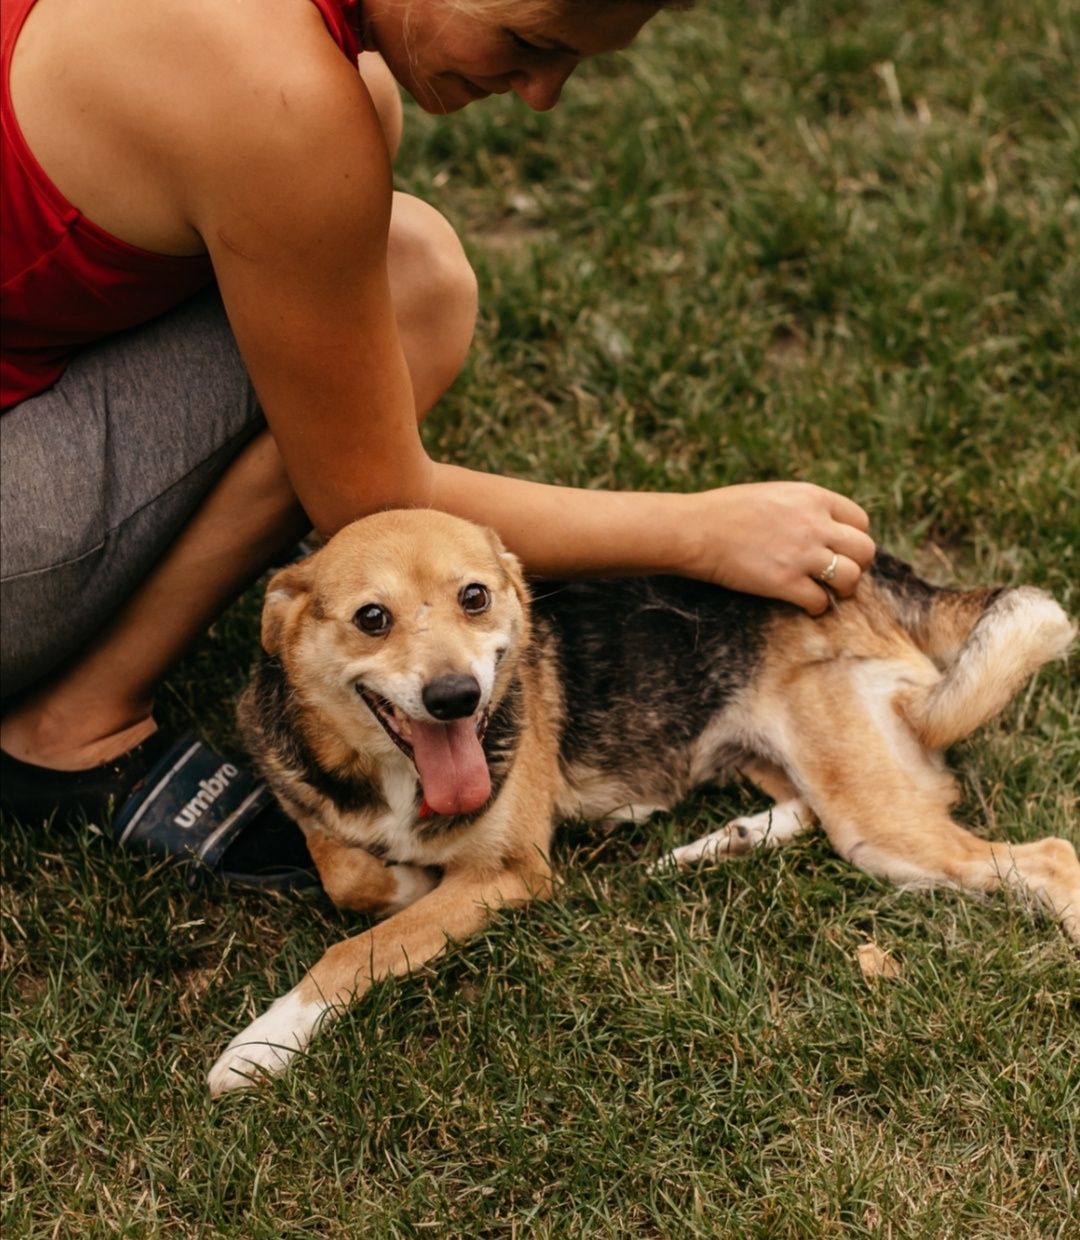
404,630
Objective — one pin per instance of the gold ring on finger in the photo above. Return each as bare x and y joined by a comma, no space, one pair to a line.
829,571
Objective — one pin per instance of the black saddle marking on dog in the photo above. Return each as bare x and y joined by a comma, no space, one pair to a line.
646,664
906,590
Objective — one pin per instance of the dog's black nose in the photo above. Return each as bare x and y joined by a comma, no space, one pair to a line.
452,697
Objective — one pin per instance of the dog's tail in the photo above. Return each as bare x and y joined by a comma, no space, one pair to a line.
987,642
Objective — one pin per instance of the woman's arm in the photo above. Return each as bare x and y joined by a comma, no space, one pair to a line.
768,538
291,193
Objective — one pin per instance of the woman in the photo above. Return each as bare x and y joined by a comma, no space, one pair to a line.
158,451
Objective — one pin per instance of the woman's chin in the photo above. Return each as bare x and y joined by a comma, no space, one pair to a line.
448,93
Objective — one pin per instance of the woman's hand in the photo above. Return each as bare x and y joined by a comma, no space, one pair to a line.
779,539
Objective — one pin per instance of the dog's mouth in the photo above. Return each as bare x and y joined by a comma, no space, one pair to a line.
449,757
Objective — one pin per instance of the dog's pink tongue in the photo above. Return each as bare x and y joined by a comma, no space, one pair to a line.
452,767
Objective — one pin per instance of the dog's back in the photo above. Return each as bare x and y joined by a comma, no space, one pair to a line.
653,661
670,683
647,666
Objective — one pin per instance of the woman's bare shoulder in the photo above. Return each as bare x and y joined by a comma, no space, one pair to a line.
246,60
128,51
283,122
162,98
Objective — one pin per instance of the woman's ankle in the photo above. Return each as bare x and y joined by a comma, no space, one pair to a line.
45,737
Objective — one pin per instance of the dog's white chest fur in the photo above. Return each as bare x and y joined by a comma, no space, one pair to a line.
391,830
394,827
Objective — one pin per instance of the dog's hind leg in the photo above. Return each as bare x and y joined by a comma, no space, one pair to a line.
920,845
769,829
884,801
789,817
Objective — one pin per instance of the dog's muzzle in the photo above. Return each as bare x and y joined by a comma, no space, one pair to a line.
448,754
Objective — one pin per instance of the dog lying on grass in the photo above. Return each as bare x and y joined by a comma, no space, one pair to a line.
427,724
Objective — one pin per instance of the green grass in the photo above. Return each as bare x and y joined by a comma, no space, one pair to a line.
838,242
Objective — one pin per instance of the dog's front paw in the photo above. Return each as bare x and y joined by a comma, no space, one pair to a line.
266,1045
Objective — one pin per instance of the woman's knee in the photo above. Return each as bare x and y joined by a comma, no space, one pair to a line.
434,291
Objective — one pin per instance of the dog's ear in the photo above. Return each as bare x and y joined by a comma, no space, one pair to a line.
516,575
511,565
285,596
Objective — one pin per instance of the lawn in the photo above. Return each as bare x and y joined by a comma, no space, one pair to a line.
838,242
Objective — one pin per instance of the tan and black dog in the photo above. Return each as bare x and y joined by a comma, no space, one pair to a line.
427,724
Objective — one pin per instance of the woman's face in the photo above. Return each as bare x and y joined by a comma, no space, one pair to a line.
446,58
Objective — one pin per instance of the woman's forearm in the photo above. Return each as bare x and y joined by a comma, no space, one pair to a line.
569,531
777,539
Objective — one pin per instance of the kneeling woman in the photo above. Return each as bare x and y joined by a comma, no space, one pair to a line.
223,326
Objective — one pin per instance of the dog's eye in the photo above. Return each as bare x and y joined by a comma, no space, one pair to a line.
474,599
373,620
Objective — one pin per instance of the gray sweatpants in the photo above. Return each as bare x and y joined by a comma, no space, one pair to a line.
101,472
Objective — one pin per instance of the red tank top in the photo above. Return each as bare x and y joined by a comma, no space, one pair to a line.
65,282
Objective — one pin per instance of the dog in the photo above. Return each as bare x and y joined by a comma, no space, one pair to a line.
427,723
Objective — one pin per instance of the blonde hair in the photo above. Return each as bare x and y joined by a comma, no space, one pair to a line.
526,10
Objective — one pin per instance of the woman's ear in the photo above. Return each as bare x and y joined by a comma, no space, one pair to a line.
285,598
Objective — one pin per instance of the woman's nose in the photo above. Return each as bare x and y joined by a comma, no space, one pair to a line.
540,89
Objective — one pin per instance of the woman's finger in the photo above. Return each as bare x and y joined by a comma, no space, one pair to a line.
840,573
810,596
853,543
848,512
